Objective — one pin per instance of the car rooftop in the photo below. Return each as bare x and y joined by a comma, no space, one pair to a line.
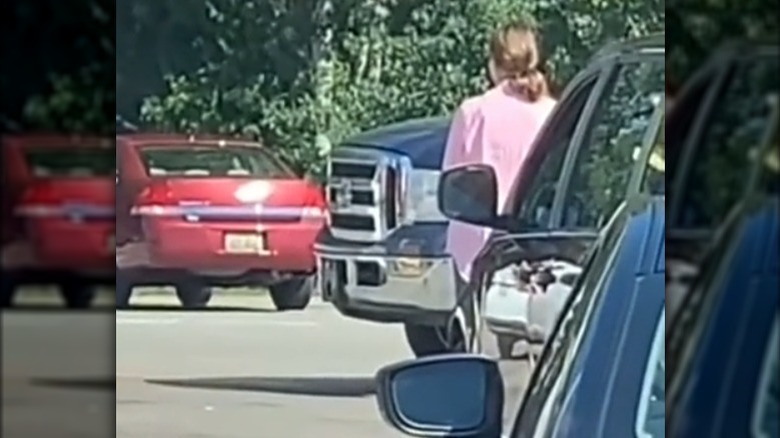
651,43
52,140
183,140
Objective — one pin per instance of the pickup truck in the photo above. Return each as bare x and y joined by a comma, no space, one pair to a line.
382,256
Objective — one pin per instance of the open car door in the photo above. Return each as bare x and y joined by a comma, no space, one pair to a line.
593,154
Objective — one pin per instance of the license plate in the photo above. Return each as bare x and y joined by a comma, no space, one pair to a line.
244,243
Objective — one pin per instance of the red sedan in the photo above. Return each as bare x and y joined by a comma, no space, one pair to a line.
58,215
201,212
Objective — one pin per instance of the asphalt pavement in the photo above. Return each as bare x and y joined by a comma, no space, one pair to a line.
239,369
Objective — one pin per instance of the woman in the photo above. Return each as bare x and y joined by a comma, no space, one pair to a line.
498,128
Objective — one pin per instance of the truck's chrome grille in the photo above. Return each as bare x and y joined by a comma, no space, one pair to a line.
358,197
364,186
353,222
353,170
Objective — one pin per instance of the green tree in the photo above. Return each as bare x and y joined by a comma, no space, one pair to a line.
287,72
61,78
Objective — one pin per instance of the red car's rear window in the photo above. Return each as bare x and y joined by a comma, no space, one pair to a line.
212,161
75,162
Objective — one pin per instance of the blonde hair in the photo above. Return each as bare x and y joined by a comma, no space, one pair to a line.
514,50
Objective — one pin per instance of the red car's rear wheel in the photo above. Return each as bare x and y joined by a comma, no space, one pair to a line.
293,294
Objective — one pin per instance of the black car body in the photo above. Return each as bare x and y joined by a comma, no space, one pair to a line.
722,343
719,115
600,374
725,345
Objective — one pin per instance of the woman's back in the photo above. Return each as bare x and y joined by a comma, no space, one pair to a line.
508,126
498,129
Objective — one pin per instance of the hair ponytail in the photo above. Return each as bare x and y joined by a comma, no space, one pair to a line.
531,84
514,50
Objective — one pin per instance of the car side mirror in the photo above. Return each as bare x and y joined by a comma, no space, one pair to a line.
443,396
469,194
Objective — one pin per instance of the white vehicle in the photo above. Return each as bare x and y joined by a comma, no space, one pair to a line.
523,301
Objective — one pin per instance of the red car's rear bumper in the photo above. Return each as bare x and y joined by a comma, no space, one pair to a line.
63,245
197,246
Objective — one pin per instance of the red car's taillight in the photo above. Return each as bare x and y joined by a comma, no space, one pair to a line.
39,202
155,201
315,206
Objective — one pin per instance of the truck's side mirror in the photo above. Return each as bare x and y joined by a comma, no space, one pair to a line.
469,194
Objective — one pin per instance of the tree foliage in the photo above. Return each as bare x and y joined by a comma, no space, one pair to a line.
58,66
695,27
297,73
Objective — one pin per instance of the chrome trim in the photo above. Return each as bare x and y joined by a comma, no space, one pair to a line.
433,289
345,188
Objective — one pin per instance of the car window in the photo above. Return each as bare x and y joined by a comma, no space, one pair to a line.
766,420
769,172
651,418
716,178
654,179
606,160
683,113
546,390
533,209
70,162
206,161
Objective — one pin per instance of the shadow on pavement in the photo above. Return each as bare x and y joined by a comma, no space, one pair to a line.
310,386
176,308
99,384
26,308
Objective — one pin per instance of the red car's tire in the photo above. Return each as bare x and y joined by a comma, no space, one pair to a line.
124,290
8,292
293,294
193,293
77,294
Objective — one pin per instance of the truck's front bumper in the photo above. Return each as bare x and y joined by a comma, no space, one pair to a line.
365,284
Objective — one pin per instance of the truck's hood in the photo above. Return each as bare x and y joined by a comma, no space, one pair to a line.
422,140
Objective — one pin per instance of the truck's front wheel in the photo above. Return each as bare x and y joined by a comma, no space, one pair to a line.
427,340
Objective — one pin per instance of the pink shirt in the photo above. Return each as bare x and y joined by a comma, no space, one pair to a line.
496,128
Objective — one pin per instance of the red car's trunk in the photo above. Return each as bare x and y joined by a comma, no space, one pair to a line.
231,223
70,221
231,199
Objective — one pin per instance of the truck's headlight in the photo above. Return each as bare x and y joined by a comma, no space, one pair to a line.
423,190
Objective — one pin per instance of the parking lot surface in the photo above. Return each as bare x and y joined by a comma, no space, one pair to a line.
238,369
